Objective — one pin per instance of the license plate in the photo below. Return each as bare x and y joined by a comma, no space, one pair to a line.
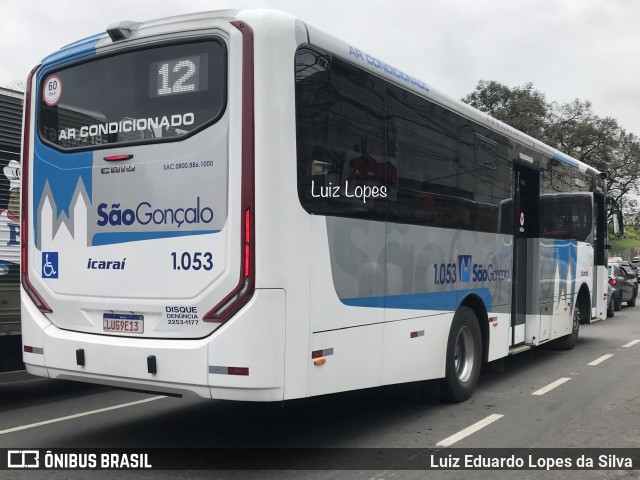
123,323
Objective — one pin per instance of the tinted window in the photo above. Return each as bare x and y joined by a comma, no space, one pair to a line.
566,216
422,153
430,166
485,177
558,177
628,270
340,137
144,95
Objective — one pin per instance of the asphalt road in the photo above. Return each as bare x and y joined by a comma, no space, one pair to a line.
587,397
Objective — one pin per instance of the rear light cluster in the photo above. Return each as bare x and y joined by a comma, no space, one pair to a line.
243,291
613,282
247,243
118,158
24,224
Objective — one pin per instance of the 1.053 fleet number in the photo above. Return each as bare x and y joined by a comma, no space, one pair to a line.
192,261
445,273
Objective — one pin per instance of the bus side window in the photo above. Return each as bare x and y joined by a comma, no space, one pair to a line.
484,178
423,157
340,137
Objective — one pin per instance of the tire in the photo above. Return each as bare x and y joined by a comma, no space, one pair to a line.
632,302
617,302
464,357
610,308
568,342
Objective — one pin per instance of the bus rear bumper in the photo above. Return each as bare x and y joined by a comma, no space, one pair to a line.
242,360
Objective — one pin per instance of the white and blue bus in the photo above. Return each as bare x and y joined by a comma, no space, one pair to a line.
238,205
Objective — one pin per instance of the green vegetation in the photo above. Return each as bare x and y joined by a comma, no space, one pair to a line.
628,246
622,244
572,128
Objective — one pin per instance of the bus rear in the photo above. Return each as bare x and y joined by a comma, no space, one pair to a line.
138,215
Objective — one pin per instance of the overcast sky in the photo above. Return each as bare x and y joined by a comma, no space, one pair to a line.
587,49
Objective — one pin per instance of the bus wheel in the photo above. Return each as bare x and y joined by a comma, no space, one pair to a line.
568,342
464,357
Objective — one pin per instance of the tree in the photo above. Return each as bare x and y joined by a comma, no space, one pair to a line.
572,128
575,130
600,142
524,108
624,171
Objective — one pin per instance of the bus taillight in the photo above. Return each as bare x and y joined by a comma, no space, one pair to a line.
243,291
247,243
24,246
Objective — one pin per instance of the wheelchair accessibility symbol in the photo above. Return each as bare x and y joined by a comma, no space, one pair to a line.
49,264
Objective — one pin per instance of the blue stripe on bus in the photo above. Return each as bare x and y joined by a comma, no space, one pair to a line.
564,158
73,51
63,175
422,301
61,172
565,261
124,237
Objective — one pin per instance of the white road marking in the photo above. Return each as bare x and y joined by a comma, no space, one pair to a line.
77,415
598,361
551,386
468,431
631,344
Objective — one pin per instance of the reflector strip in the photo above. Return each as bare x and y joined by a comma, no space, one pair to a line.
36,350
419,333
322,353
216,370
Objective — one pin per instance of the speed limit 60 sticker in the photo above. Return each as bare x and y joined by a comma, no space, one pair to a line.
52,90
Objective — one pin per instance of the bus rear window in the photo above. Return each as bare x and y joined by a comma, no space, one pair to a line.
149,95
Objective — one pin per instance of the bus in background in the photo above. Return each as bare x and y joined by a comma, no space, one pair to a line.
10,134
238,205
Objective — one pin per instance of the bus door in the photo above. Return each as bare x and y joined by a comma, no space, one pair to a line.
600,274
526,225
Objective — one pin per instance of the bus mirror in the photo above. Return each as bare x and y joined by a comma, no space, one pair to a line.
618,226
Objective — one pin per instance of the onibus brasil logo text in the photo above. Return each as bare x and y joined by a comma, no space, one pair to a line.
465,271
